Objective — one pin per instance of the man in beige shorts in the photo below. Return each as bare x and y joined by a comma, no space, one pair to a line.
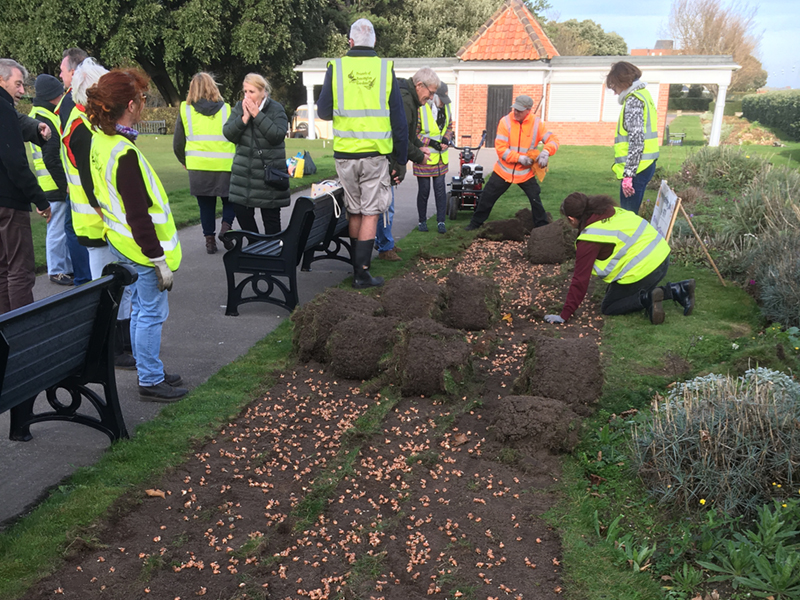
360,94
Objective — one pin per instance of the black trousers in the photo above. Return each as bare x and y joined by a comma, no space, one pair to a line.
621,299
246,216
495,187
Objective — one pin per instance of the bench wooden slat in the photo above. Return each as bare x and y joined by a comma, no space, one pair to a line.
270,262
65,341
335,244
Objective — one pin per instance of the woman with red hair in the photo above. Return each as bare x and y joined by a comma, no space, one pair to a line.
139,225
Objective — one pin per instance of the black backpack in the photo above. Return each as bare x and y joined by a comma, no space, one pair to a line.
310,168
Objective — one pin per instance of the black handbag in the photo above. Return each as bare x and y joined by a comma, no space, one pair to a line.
277,179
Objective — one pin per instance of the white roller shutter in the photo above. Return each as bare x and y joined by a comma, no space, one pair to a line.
574,102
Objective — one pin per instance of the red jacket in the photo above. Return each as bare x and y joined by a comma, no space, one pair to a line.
514,139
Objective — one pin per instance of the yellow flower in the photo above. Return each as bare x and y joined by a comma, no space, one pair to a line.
779,485
783,505
702,500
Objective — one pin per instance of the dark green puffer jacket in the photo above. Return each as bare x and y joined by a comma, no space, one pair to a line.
247,175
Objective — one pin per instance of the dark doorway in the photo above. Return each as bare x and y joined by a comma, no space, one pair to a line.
498,105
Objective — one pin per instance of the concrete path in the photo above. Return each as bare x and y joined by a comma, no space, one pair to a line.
198,339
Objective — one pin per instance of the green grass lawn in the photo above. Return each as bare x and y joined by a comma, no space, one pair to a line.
158,150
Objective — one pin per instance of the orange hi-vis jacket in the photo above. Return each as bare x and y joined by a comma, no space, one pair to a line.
515,139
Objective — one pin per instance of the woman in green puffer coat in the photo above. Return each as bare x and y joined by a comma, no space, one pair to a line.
257,123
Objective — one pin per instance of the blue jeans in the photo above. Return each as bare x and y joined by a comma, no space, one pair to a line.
149,310
58,260
383,239
640,182
208,213
78,253
439,195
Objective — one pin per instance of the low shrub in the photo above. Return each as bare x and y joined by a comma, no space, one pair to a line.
162,113
721,169
722,441
775,109
692,104
769,204
774,265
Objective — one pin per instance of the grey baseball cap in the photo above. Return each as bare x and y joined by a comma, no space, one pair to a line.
442,93
523,102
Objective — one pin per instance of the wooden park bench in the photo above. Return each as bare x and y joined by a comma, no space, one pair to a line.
59,346
269,262
336,243
152,127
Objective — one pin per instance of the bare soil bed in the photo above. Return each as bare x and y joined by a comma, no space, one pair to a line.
333,488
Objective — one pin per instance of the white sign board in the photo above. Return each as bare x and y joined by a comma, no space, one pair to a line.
665,211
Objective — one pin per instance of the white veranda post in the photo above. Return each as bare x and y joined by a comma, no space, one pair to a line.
716,123
312,114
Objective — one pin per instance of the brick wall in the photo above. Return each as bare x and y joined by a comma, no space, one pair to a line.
471,112
472,117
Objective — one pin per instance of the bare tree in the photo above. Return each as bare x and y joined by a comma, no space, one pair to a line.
707,27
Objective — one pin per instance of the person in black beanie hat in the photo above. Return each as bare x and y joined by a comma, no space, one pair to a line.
51,178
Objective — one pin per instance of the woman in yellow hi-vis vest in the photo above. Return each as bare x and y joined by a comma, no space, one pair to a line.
199,145
636,139
435,130
627,253
139,225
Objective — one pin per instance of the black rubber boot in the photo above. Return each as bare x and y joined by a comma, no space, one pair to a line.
125,331
652,302
353,253
122,360
683,294
363,258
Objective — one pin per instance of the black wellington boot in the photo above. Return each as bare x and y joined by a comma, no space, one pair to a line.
683,294
652,303
363,258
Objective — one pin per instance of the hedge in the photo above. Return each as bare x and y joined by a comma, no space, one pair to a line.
693,104
775,109
731,108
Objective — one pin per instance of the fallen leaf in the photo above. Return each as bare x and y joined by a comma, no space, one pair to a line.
460,439
155,494
557,589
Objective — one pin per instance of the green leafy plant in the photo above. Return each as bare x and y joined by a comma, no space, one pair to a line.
778,577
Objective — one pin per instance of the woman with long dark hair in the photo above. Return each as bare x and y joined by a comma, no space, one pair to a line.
627,253
139,225
199,145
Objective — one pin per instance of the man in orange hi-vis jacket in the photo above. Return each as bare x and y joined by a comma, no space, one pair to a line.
518,137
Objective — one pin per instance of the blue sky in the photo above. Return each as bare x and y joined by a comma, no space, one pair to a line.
642,22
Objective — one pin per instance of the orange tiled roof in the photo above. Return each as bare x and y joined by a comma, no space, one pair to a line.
512,33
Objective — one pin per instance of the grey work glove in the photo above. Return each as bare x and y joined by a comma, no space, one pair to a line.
525,160
554,319
163,273
543,157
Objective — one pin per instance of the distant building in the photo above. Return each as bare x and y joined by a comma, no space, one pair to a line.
511,55
663,48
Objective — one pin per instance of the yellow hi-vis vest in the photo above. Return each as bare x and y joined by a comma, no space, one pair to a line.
638,248
105,155
45,180
87,223
650,152
361,90
206,148
430,129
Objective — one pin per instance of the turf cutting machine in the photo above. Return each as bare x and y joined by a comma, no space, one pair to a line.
466,187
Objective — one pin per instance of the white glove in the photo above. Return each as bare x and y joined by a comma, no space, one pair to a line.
543,157
525,160
163,273
554,319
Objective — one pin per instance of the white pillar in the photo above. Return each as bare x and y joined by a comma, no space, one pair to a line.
312,114
716,123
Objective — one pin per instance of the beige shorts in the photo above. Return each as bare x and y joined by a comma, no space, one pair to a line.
366,184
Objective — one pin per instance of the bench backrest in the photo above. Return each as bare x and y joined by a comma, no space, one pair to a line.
45,342
324,218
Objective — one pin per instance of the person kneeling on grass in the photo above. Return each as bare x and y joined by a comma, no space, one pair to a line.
627,253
